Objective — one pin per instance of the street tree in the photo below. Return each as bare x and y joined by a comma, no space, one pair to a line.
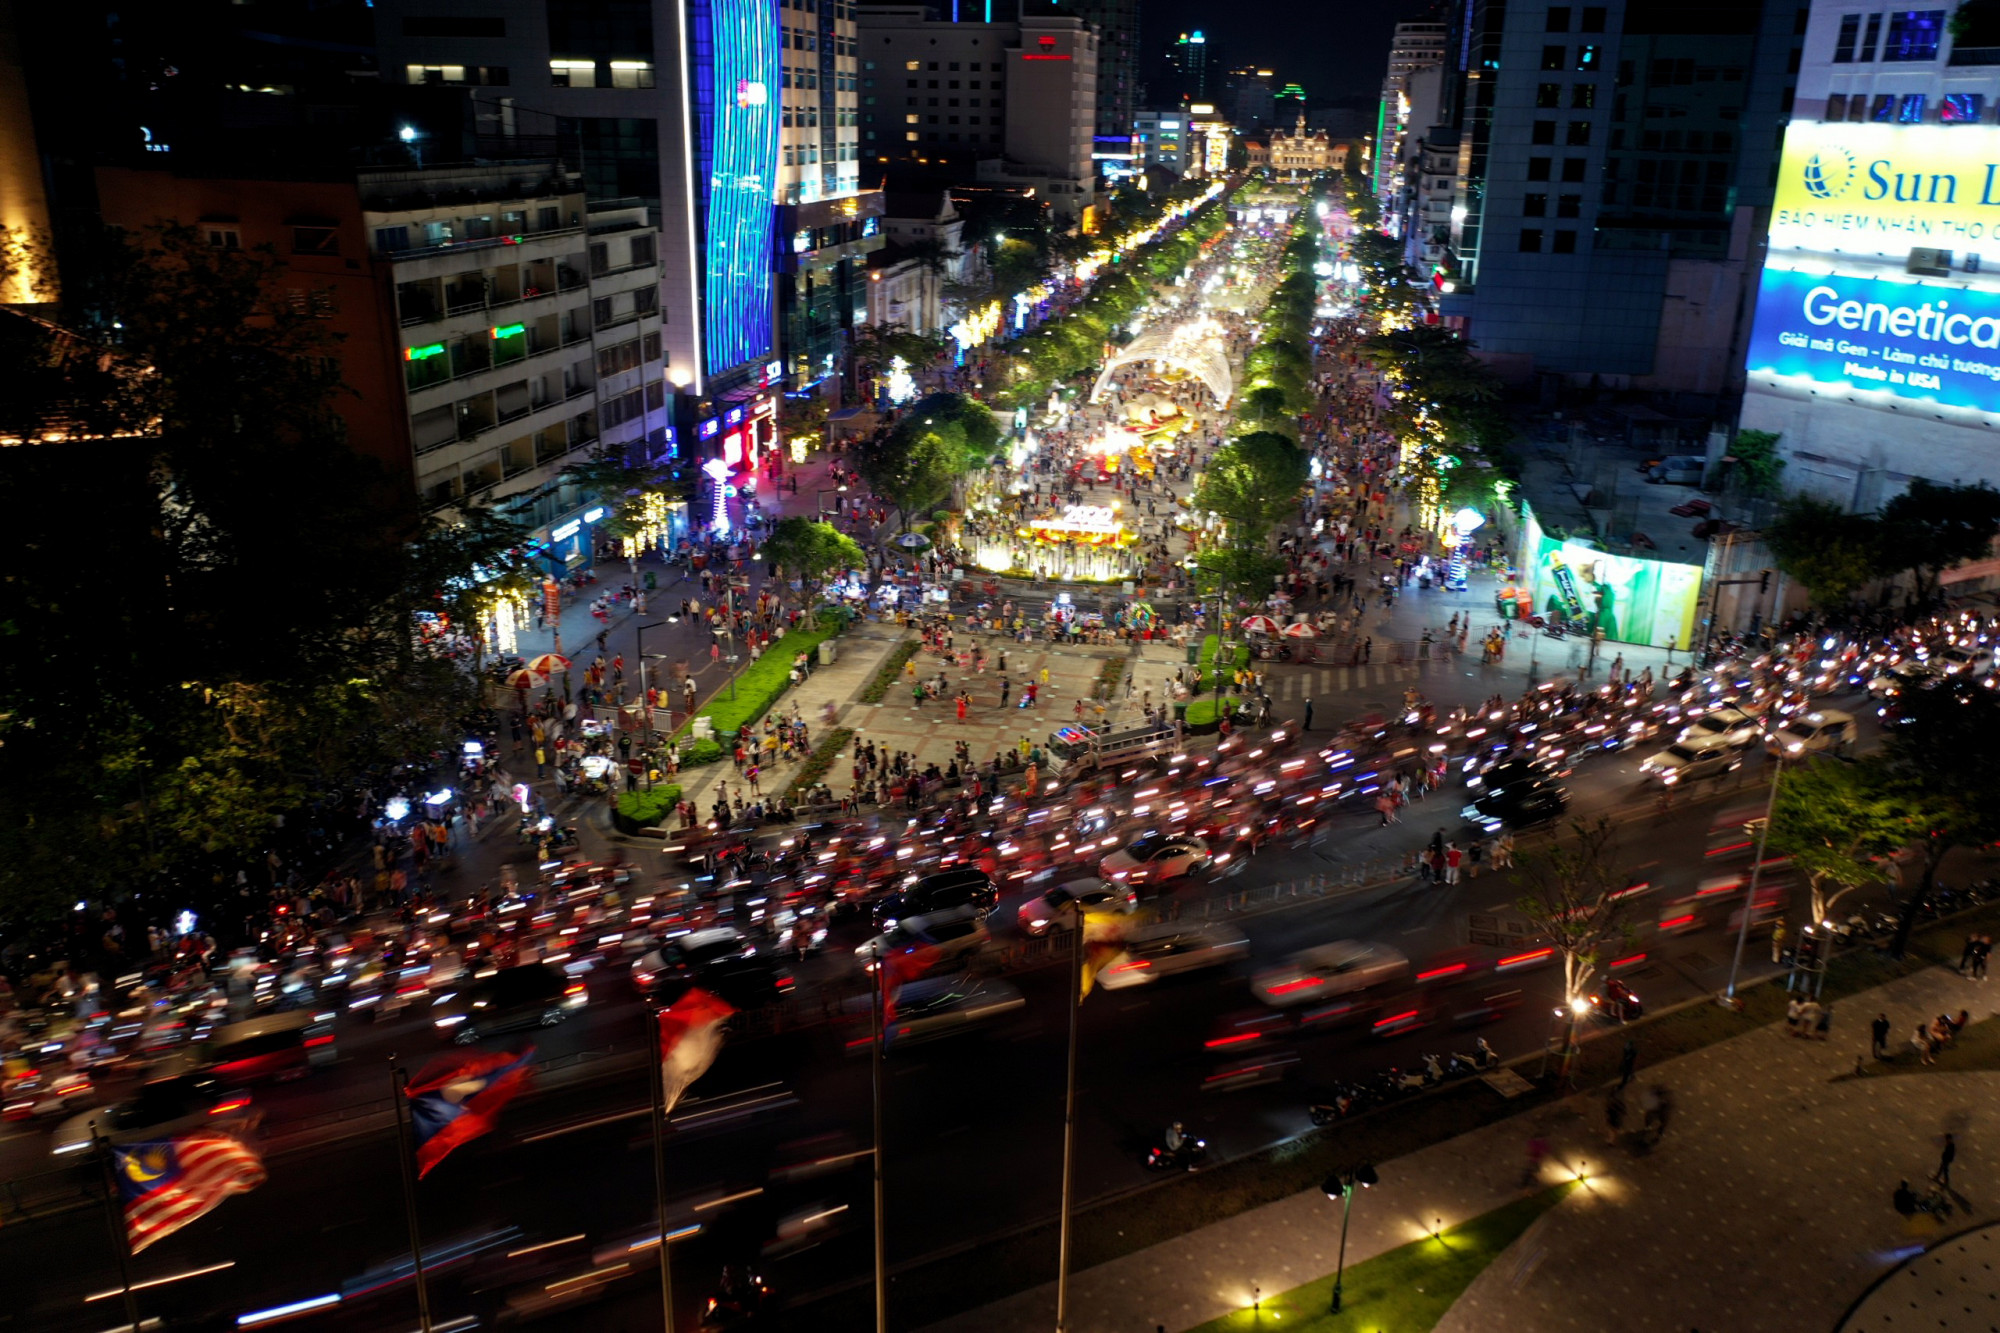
1253,482
808,550
912,464
1945,758
1839,823
1824,548
1932,526
1574,899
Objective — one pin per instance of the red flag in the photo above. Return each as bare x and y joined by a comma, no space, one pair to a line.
690,1037
456,1098
900,967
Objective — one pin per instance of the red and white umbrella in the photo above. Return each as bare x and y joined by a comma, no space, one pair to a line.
523,679
1260,625
548,664
1301,631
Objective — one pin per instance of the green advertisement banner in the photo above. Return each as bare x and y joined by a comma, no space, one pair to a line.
1631,599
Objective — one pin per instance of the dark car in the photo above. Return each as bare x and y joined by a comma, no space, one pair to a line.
1519,806
159,1109
528,996
963,886
746,981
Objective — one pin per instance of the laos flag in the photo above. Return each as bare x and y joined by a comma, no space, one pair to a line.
456,1098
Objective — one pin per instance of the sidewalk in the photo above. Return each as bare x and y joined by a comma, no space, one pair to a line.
1766,1205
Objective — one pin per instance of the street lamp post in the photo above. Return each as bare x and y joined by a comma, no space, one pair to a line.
1340,1185
1728,996
644,695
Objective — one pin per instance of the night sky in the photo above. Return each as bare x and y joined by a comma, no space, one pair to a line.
1336,49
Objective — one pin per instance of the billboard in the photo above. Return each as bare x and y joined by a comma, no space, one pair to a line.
1878,190
1934,345
1632,600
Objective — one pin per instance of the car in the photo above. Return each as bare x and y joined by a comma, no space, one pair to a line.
1904,675
745,981
1155,857
682,957
176,1104
1520,806
1170,948
961,886
1827,730
1045,911
1688,761
277,1046
1326,971
1732,726
507,999
934,1007
950,934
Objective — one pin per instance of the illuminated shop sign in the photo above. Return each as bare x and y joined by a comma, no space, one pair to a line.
1880,189
1935,345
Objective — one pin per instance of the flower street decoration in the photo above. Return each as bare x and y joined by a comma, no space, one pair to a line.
977,326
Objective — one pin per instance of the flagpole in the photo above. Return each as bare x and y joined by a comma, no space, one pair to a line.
121,1239
658,1084
881,1229
399,1082
1069,1120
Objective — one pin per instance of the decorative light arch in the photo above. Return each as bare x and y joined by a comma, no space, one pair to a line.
1194,347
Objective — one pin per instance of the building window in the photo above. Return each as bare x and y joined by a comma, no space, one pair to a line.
1558,19
388,240
1586,58
1563,242
1569,205
573,73
1531,240
600,311
1534,205
1593,19
1957,108
1548,95
315,241
1910,109
1913,35
1544,131
1583,96
1554,57
223,238
1869,38
1836,106
631,74
1573,168
644,249
1538,168
1884,110
1579,134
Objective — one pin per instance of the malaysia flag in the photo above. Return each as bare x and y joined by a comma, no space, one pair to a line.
690,1036
169,1183
456,1098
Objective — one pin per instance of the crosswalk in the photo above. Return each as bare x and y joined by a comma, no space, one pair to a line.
1288,682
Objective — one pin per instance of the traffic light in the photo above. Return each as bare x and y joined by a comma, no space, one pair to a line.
1764,581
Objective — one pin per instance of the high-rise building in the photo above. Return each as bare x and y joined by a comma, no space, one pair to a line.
1188,71
1615,168
733,120
1876,350
1250,98
1161,139
493,327
1005,103
1415,47
1118,78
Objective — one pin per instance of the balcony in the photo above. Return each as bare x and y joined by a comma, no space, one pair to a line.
466,247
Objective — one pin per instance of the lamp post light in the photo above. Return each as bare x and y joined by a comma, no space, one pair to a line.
1340,1185
1728,997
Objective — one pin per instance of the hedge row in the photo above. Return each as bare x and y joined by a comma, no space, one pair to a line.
759,686
650,809
824,752
892,670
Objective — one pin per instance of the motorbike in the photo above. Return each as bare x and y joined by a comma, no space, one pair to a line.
1616,1002
1192,1155
740,1297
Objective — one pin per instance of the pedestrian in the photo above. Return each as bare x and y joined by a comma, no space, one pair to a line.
1454,856
1878,1032
1979,957
1614,1116
1950,1154
1793,1009
1778,940
1628,1061
1920,1042
1307,725
1824,1027
1006,688
1967,954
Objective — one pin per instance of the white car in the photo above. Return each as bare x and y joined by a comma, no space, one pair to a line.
1327,971
1044,912
1155,858
1170,948
1826,731
1732,726
950,934
1691,760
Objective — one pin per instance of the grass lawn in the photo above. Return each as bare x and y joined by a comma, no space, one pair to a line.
1406,1290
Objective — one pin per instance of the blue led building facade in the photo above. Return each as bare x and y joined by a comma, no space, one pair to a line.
736,63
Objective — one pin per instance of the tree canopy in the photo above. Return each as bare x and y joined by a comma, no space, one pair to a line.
1253,482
